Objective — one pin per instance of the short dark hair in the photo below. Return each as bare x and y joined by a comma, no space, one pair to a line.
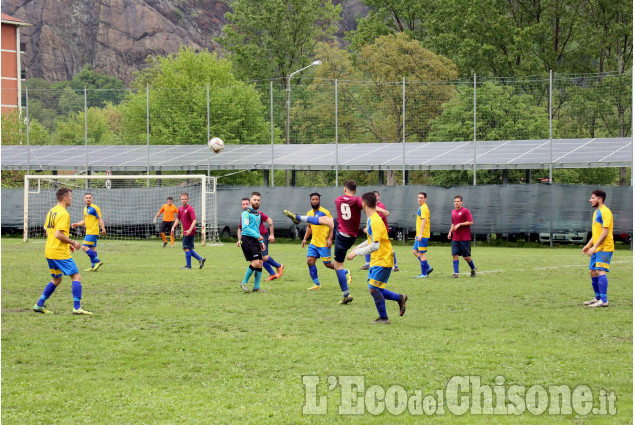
170,198
88,193
376,193
244,199
425,195
459,197
61,193
350,185
370,199
186,194
255,193
315,194
600,194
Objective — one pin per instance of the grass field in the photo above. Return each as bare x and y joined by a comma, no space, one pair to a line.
172,346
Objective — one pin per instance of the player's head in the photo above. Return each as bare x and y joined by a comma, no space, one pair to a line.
244,204
422,197
65,196
350,187
88,198
458,202
185,198
376,194
369,200
597,198
315,200
170,200
255,200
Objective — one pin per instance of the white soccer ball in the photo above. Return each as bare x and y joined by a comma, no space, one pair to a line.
216,145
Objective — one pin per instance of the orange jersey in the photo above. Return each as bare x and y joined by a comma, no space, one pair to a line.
169,211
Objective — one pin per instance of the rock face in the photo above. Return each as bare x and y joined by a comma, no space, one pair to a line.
116,36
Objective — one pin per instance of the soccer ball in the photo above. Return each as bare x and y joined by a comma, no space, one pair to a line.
216,145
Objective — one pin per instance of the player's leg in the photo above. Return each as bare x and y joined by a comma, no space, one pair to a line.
265,257
600,264
312,254
77,294
56,279
297,218
188,244
396,267
169,225
596,286
380,304
192,253
466,253
162,231
257,265
251,252
342,245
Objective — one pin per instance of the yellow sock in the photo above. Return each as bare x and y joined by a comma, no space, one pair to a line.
163,237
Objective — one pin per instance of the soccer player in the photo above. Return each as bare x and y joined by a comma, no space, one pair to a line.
381,260
58,253
187,215
169,210
252,243
321,240
420,247
461,236
600,248
93,221
267,260
384,219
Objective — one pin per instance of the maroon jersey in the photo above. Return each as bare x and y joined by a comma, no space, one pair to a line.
349,214
461,216
187,216
263,218
381,205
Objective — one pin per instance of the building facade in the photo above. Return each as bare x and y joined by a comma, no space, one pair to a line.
11,64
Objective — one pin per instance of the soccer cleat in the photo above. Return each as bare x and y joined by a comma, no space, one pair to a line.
593,301
381,321
347,299
599,303
395,269
165,244
365,267
42,309
292,216
402,304
473,273
455,276
280,270
186,268
201,262
272,277
97,266
430,270
90,269
258,290
244,287
314,287
421,276
81,312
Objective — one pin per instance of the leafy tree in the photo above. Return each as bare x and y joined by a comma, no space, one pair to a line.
14,129
72,130
100,88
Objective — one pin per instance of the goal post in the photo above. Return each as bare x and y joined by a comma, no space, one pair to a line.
128,203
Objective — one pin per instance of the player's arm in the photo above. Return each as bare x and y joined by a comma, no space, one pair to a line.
102,225
270,223
79,223
239,234
363,249
423,226
465,223
308,234
603,235
329,240
192,227
59,234
176,223
157,216
384,212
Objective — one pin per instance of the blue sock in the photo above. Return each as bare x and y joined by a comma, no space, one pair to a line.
195,255
273,262
48,291
188,258
395,257
424,267
380,302
312,220
257,274
268,268
248,273
77,293
455,264
93,256
596,286
471,264
341,279
314,275
603,284
392,296
367,259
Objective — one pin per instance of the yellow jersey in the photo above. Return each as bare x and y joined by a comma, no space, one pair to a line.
57,219
423,213
319,233
603,218
92,214
376,232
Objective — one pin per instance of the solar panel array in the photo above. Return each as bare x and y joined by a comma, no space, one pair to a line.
506,154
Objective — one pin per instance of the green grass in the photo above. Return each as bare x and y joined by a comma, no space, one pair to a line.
172,346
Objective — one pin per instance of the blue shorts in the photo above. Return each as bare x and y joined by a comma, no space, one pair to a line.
342,245
62,267
321,252
378,276
90,241
266,241
601,260
188,242
462,248
421,246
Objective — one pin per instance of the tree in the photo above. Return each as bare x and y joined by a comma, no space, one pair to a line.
272,38
97,128
178,102
100,88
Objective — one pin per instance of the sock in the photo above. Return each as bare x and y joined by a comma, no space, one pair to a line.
455,264
268,268
93,256
195,255
171,239
367,259
163,237
395,257
603,284
392,296
257,274
273,262
471,264
425,267
188,258
341,278
596,286
380,302
248,273
314,274
48,291
77,293
312,220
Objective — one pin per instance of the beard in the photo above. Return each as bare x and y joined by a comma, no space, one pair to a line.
315,207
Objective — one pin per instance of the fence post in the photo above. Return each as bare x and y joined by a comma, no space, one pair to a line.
148,133
271,118
337,153
209,152
28,124
403,131
86,133
474,139
550,127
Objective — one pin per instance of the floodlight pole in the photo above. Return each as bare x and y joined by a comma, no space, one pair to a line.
318,62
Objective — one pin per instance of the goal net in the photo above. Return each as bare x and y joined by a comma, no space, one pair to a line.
128,204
